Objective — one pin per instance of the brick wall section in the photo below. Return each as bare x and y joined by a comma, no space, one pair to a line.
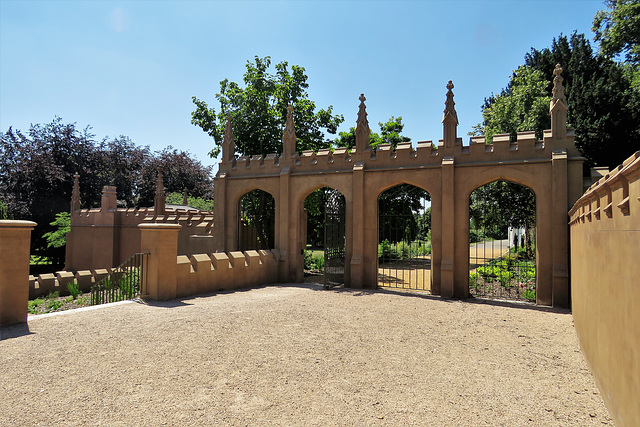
605,286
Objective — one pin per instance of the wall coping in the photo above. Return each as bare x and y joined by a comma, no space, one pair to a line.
16,223
160,226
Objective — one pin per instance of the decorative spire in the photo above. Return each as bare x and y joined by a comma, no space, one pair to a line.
450,119
362,127
289,138
449,105
558,106
228,143
75,194
159,183
558,89
159,200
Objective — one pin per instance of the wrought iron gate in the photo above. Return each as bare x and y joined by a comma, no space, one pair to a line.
404,238
334,240
502,236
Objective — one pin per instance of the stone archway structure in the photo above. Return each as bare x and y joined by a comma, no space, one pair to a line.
450,171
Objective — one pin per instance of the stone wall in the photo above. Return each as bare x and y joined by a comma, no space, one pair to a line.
170,277
605,286
108,236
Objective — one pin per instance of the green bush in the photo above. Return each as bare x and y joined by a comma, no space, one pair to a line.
319,262
32,306
74,289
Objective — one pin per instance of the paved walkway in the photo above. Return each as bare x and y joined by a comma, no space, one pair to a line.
298,355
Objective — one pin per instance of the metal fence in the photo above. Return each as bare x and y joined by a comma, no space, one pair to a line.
125,282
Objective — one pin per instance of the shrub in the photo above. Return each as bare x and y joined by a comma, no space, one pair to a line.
74,289
319,262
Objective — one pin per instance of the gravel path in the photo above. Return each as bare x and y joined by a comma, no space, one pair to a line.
298,355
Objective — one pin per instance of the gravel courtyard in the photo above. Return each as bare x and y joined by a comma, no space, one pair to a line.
298,355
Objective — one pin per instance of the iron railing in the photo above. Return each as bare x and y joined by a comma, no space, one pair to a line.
126,281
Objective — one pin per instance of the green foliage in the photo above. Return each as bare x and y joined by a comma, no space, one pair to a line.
74,289
54,304
604,108
511,273
388,251
390,133
314,260
4,214
194,202
32,305
37,169
257,212
259,110
58,237
523,106
618,29
500,204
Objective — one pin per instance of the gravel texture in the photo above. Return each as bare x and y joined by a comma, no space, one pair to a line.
299,355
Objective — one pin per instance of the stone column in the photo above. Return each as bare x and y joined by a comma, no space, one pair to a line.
560,230
220,212
447,218
282,226
160,241
357,235
15,242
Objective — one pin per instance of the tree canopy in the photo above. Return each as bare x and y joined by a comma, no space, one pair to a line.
390,133
618,29
259,111
37,168
523,106
604,109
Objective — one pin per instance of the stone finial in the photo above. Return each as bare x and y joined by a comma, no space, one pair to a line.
75,194
558,89
159,182
185,197
160,199
289,138
228,143
558,106
450,118
362,127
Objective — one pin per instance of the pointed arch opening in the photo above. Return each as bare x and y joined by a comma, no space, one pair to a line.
256,221
502,242
325,249
404,238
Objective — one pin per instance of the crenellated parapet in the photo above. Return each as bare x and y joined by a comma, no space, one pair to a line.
616,194
423,154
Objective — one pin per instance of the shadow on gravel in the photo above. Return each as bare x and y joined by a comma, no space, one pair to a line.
14,331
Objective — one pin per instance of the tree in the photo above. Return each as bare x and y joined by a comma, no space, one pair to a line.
522,106
36,175
390,133
618,29
58,237
121,164
259,111
604,109
179,171
37,168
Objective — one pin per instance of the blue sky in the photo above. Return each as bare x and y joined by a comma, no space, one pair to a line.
131,67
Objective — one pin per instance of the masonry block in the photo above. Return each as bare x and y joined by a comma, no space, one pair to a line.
48,283
185,277
85,280
64,278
